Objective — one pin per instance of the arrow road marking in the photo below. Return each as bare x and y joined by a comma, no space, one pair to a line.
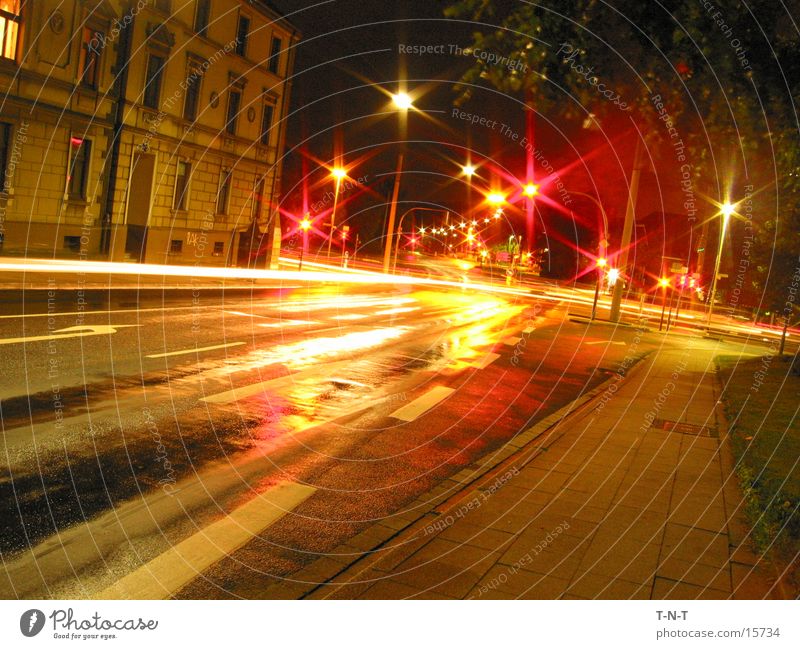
78,331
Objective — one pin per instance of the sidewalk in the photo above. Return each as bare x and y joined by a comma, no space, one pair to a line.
632,496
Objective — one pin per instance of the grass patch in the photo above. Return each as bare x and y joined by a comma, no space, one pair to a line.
765,439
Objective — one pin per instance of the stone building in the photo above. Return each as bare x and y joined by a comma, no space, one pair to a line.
142,130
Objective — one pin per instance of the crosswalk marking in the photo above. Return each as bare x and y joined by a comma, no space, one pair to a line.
173,569
421,405
487,360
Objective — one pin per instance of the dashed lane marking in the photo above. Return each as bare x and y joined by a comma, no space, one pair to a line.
173,569
195,350
513,340
421,405
483,363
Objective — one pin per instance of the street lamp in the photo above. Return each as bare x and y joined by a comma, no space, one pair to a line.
338,173
663,283
601,263
468,170
305,225
402,102
496,198
727,210
531,190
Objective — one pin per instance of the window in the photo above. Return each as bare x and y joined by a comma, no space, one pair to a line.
194,76
152,88
10,20
275,55
201,17
72,243
90,57
241,35
266,123
219,248
79,154
164,6
224,191
234,100
175,246
182,173
5,143
258,199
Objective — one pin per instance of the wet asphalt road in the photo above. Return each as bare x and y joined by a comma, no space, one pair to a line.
109,407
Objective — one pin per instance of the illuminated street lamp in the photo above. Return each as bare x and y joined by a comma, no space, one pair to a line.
305,225
531,190
402,101
338,173
468,170
663,282
601,263
727,210
496,198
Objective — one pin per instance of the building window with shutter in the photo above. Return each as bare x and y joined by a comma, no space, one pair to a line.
152,87
191,102
201,17
275,55
77,175
234,102
267,117
242,32
89,61
224,191
182,175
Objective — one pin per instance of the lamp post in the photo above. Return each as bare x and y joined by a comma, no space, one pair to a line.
305,224
338,173
726,210
663,283
404,103
601,264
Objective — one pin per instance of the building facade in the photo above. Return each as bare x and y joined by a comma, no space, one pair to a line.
143,130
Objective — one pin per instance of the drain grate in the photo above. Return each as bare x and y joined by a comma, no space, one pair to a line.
684,428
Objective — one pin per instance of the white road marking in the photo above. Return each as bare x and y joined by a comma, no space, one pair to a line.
422,404
285,323
194,350
173,569
513,340
528,330
78,331
485,361
604,342
229,396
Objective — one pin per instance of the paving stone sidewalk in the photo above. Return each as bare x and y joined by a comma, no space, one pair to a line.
631,497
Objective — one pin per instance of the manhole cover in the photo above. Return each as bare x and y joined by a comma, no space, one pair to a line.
685,429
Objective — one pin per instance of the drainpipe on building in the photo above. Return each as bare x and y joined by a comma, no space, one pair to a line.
121,69
275,218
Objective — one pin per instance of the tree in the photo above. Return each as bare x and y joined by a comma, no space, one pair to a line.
718,77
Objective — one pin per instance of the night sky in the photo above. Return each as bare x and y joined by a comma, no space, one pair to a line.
349,47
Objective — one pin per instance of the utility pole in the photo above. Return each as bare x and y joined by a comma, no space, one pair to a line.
627,230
